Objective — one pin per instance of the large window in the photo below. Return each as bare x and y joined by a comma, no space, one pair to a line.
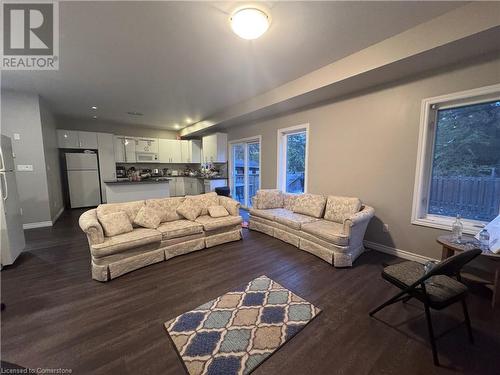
458,171
292,159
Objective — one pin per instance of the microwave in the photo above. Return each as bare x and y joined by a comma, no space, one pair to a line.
146,157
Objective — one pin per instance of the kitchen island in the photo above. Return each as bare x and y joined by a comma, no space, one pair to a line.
118,191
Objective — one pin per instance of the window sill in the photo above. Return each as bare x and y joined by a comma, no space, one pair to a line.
470,226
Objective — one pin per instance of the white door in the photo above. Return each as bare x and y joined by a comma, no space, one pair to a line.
107,166
87,140
245,170
67,139
84,188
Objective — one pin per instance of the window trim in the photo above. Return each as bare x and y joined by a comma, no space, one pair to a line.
426,138
254,139
281,151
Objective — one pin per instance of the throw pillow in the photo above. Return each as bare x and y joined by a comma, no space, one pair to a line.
269,198
148,217
340,208
205,200
217,211
190,209
310,204
115,223
166,207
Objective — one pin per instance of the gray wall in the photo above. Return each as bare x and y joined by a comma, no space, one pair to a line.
53,169
21,114
70,123
366,146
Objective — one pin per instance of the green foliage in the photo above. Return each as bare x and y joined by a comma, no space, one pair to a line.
468,141
296,153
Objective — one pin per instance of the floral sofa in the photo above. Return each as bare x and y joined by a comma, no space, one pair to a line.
329,227
126,236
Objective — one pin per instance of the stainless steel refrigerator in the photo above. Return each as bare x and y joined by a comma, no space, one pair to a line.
12,240
82,170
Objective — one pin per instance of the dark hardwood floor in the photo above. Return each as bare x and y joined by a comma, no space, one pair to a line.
58,317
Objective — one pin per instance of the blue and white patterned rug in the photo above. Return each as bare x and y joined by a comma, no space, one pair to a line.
237,331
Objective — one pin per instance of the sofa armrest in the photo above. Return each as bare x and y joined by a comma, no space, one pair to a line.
90,225
358,222
232,206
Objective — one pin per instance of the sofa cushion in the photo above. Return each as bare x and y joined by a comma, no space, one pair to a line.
179,228
340,208
289,200
217,211
292,219
122,242
166,207
206,200
328,231
310,204
131,208
268,198
190,209
269,214
211,223
115,223
148,217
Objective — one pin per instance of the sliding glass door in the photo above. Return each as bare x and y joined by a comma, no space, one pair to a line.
245,170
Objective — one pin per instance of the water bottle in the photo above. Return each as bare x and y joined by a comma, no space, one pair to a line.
456,229
484,239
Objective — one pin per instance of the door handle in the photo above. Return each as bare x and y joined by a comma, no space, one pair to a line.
2,176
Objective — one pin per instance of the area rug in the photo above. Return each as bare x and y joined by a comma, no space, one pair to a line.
237,331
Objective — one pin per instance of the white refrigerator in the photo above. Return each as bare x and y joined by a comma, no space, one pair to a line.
12,240
82,171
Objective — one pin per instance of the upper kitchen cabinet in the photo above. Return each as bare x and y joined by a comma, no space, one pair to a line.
146,150
170,151
76,139
214,148
191,151
125,149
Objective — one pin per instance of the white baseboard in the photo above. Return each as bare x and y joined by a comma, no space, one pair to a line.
57,215
39,224
397,252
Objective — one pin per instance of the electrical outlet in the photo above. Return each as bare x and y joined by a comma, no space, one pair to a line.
385,228
25,168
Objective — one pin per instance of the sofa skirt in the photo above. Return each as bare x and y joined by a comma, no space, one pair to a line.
218,239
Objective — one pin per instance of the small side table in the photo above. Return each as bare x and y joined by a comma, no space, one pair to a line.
469,243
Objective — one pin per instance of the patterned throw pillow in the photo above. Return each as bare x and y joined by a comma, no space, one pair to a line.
340,208
205,200
310,204
217,211
190,209
115,223
269,198
148,217
166,207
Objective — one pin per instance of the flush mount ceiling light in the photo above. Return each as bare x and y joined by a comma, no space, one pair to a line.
133,113
249,23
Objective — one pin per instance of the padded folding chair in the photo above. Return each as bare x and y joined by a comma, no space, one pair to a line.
438,288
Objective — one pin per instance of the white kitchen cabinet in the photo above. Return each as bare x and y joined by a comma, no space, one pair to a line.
193,185
210,185
147,145
107,166
87,140
170,151
124,149
76,139
191,151
214,148
67,139
177,188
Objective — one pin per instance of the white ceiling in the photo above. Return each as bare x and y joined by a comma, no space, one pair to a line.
178,60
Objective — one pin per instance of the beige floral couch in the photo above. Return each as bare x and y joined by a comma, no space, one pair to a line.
329,227
126,236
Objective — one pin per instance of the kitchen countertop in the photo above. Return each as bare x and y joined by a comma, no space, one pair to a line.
204,178
146,181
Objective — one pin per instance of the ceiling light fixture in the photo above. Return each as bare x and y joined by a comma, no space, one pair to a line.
94,107
250,23
176,126
94,117
133,113
188,120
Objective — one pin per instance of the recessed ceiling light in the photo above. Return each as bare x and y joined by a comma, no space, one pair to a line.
94,107
133,113
176,126
189,120
94,117
249,23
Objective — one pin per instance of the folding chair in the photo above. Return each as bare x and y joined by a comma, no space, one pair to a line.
438,288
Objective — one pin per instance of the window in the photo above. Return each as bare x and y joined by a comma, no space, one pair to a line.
458,168
244,165
292,159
